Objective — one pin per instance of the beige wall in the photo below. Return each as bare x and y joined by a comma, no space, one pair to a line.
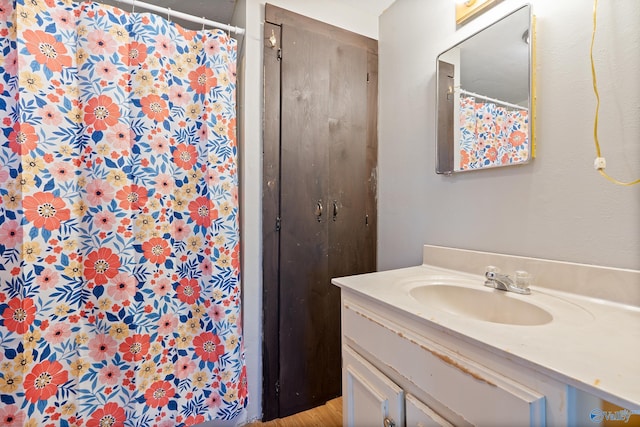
557,207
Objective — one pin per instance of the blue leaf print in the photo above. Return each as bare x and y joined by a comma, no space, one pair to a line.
7,399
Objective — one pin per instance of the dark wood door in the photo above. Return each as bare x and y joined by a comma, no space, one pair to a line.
319,202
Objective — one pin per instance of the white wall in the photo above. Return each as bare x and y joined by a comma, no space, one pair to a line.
557,207
250,15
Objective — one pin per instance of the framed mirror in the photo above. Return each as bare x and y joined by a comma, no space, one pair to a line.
484,101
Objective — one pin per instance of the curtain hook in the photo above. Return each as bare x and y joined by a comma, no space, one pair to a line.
203,22
169,14
229,31
133,6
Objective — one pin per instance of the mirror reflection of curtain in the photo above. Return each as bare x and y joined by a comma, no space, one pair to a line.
491,135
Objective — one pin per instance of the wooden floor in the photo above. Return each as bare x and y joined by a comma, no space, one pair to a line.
329,415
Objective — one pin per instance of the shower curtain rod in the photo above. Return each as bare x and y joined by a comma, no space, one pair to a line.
185,16
497,101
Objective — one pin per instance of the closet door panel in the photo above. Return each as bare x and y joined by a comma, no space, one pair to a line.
348,161
307,302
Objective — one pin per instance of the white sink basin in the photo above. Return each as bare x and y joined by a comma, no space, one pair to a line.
481,304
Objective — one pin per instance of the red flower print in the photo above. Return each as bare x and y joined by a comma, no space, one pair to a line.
6,9
517,138
19,315
47,279
101,112
110,375
47,50
101,265
51,115
106,69
212,46
120,136
235,257
23,138
464,159
242,386
162,287
193,420
155,107
99,191
11,415
101,43
45,210
167,324
43,380
61,171
180,230
135,52
208,347
132,197
202,211
491,154
185,156
104,220
178,95
165,46
184,367
58,333
164,183
63,18
202,79
11,233
135,347
159,393
156,250
216,312
112,415
102,347
122,287
213,401
188,291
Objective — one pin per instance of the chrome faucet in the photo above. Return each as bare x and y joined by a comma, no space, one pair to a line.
505,283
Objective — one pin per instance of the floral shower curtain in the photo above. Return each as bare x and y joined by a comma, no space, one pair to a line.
492,135
119,270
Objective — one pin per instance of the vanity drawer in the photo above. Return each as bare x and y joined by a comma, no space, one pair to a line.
476,394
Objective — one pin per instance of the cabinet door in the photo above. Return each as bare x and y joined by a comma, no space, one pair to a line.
420,415
370,399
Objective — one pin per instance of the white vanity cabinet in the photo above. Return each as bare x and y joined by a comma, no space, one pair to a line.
396,373
429,345
374,399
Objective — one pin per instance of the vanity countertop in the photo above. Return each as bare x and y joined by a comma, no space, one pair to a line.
591,344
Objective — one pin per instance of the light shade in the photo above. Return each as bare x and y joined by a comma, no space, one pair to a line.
467,9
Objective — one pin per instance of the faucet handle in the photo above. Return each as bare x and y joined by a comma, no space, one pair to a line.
491,269
522,279
491,272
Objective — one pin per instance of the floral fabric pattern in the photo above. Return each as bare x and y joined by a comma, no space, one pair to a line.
119,243
491,135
